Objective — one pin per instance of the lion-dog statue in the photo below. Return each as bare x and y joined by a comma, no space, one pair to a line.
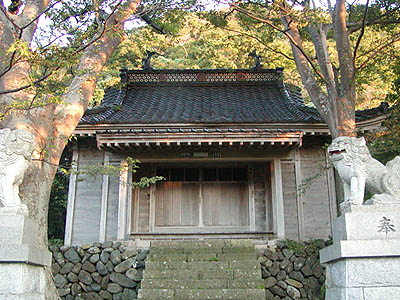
16,148
359,170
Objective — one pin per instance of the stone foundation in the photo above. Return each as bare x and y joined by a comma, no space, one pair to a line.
109,270
292,270
113,271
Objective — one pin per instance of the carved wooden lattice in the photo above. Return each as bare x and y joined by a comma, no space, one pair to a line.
150,77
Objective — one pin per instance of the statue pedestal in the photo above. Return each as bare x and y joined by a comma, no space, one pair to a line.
22,263
364,261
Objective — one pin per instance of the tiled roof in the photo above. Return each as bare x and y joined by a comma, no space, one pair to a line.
221,98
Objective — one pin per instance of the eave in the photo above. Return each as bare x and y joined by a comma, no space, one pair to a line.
126,137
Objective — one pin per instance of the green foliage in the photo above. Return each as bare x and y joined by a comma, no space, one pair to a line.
301,248
14,6
217,19
56,242
309,181
377,51
223,39
385,145
214,259
57,207
112,170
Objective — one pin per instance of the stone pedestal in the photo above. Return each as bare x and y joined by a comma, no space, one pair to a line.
22,263
364,261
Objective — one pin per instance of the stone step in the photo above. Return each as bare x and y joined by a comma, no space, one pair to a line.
200,294
249,274
210,269
206,265
203,244
201,257
201,250
201,284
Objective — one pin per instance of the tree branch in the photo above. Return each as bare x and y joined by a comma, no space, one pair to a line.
353,27
94,58
20,30
376,52
97,37
40,14
285,32
361,33
260,41
36,82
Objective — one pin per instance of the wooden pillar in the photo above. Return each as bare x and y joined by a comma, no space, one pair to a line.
104,200
277,199
268,201
252,212
71,198
129,206
299,195
152,208
122,203
331,191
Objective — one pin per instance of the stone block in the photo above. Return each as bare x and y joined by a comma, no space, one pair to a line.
25,254
364,272
360,248
345,294
364,222
382,293
364,261
21,279
17,230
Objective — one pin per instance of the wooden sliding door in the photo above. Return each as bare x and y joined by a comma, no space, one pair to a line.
177,204
225,204
202,198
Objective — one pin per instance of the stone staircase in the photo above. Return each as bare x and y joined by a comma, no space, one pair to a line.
214,269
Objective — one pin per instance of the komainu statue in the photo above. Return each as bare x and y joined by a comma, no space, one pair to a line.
359,170
16,148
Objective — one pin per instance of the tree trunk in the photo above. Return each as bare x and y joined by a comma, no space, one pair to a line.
51,124
337,104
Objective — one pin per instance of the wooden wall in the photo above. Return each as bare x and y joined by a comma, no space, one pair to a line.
142,205
86,220
317,205
289,188
308,210
262,196
112,209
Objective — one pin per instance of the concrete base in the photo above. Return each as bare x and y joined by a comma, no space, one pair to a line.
375,278
364,261
22,263
20,281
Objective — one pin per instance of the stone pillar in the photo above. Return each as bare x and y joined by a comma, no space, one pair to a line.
364,261
22,263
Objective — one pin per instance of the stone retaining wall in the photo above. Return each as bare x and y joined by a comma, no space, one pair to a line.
113,271
109,270
292,270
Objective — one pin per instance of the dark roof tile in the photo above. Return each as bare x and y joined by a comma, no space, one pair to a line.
244,102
